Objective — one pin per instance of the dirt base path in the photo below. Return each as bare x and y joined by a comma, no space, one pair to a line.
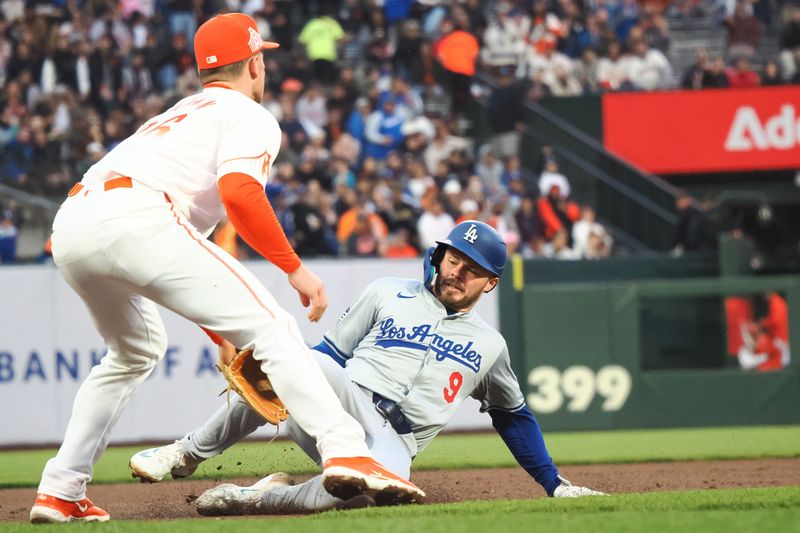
174,499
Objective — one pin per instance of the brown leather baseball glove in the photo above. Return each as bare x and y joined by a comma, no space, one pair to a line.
244,376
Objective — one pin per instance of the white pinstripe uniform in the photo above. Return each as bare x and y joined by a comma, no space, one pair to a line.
126,248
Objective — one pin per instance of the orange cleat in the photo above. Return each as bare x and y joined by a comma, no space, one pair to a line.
347,477
49,509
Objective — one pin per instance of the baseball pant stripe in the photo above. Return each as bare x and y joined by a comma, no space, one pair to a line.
218,258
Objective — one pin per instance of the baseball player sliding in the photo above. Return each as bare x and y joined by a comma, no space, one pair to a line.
401,360
131,235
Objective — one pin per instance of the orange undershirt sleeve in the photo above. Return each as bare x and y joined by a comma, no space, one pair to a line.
251,214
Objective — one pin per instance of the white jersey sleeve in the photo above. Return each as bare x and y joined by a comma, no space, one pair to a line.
499,389
249,146
357,321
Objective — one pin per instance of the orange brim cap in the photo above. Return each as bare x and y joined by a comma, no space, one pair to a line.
226,39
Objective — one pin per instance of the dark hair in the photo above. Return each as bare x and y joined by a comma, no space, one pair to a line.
223,73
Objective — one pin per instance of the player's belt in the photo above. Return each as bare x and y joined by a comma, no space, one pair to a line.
122,182
392,413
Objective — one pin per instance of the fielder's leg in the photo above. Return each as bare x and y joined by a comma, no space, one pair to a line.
136,340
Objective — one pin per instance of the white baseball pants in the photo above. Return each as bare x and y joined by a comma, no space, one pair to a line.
125,250
230,425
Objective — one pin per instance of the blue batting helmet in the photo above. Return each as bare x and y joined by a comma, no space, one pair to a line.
475,239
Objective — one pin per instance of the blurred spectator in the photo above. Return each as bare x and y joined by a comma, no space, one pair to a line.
291,126
626,17
384,130
408,56
694,231
649,67
469,210
790,44
573,33
544,59
312,110
442,145
434,224
716,77
771,75
558,248
501,217
655,31
551,178
613,70
94,152
693,77
456,53
310,236
418,133
502,42
357,121
516,182
586,71
590,239
528,223
563,83
320,37
505,112
18,158
741,75
356,218
556,212
398,246
363,240
490,170
11,219
408,103
183,18
420,182
744,30
343,175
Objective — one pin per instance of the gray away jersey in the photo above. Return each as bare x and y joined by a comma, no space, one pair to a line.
398,340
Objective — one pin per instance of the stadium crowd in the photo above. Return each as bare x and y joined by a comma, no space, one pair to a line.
373,98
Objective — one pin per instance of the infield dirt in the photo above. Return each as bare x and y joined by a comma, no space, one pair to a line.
175,499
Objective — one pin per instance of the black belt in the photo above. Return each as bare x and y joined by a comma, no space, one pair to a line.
392,413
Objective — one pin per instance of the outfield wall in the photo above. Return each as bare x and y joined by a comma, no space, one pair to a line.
48,344
643,354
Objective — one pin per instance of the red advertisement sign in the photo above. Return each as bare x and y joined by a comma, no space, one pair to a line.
705,131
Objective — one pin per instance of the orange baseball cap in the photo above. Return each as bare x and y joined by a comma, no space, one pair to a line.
226,39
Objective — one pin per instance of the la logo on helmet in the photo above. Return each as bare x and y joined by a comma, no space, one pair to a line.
471,234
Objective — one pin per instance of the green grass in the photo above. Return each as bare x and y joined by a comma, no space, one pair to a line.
22,468
762,510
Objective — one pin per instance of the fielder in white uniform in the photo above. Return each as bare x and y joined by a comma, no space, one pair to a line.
402,359
131,235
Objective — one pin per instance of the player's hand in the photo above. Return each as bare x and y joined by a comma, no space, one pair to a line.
226,352
568,490
311,290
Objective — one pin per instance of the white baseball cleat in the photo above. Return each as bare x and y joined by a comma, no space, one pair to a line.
230,499
347,477
568,490
154,464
